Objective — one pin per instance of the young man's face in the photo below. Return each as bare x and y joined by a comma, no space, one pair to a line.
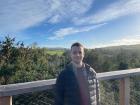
77,54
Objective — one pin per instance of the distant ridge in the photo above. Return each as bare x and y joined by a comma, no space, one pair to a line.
137,46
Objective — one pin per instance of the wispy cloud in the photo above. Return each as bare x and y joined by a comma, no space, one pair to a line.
70,9
111,12
17,15
129,40
61,33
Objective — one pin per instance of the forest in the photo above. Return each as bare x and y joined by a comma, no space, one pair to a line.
20,63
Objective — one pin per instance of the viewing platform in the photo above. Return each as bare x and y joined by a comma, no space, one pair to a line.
7,91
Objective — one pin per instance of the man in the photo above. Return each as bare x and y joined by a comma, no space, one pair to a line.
77,83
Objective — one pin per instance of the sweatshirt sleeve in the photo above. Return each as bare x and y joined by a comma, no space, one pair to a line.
59,89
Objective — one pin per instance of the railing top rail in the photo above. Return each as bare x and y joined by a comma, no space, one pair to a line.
118,74
20,88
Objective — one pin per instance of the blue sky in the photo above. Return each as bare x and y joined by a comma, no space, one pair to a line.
59,23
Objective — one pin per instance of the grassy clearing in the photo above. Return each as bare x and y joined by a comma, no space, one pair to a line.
57,52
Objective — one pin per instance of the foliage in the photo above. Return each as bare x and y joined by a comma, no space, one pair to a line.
22,64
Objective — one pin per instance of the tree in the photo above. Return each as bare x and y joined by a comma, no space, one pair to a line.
7,57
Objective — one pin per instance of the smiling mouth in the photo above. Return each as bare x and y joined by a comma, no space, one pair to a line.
78,58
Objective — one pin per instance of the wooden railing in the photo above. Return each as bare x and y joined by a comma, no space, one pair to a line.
7,91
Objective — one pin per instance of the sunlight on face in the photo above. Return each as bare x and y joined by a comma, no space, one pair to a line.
77,54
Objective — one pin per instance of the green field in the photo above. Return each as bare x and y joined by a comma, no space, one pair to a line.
57,52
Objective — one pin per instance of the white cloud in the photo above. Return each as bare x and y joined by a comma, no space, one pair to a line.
111,12
16,15
55,19
129,40
61,33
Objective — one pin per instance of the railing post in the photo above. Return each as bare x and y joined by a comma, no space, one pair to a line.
7,100
124,91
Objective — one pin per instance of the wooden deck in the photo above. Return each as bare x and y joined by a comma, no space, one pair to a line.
7,91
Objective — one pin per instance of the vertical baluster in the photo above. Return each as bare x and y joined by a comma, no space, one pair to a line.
124,91
7,100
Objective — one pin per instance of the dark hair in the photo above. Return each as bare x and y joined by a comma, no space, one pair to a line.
77,44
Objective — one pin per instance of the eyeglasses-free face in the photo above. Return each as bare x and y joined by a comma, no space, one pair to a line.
77,54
